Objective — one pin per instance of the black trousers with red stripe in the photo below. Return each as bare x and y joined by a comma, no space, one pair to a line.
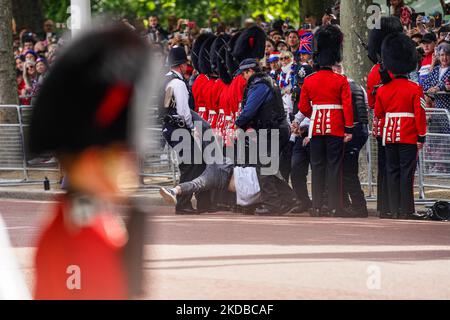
327,153
382,184
401,161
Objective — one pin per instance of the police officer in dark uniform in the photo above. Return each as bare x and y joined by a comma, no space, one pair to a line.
354,200
176,112
263,110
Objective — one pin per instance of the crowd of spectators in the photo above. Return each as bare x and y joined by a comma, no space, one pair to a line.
287,48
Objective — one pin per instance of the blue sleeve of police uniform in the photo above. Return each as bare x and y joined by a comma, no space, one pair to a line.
256,97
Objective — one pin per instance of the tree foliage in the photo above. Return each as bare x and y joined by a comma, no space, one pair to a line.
196,10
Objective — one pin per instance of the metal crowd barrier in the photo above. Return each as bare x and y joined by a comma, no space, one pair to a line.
16,162
433,168
18,166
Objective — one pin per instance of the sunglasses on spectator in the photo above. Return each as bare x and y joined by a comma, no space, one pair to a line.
284,58
30,68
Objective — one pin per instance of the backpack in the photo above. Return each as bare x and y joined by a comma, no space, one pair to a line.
440,211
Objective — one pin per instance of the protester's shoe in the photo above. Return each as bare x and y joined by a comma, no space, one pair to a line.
302,208
168,195
265,211
289,209
187,211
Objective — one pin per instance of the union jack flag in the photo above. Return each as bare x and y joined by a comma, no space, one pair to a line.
306,41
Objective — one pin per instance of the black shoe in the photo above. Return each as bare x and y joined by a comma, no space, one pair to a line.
186,211
356,212
386,215
302,208
314,212
168,195
263,210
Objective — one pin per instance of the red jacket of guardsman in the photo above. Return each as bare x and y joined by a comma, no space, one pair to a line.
373,83
326,99
198,90
213,101
400,103
94,252
236,94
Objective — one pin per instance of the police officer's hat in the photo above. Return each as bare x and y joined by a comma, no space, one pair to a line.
232,61
328,45
249,63
399,54
388,25
204,62
195,53
303,72
177,56
250,44
85,99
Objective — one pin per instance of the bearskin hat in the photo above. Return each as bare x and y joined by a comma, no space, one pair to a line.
195,53
232,61
222,66
250,44
220,42
388,25
399,53
328,45
204,61
94,78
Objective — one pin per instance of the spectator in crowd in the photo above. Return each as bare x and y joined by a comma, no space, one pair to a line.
19,63
155,32
270,47
41,68
275,66
293,41
437,78
48,31
30,78
281,46
417,38
276,37
428,44
30,55
287,81
400,10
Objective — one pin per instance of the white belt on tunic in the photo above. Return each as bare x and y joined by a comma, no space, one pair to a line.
318,107
391,115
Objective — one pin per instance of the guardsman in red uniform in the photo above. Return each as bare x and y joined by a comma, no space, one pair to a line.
327,100
80,253
400,103
199,88
377,76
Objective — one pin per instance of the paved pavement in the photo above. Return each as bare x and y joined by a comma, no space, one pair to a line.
228,256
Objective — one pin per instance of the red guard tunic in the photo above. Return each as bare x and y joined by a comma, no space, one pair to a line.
373,83
198,90
236,94
223,110
214,99
399,102
95,250
326,99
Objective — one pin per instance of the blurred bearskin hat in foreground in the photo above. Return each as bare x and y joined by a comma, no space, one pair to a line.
222,66
388,25
85,99
195,54
399,54
328,42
